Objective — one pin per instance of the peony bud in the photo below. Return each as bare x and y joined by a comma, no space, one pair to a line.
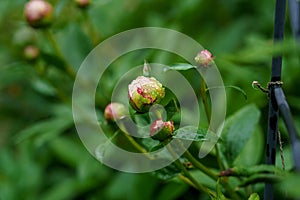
160,130
38,13
31,52
204,58
82,3
144,92
114,111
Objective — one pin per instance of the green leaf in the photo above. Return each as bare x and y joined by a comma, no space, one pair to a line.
43,87
237,131
193,133
172,191
167,173
203,179
290,186
181,66
68,188
52,59
48,129
254,196
70,152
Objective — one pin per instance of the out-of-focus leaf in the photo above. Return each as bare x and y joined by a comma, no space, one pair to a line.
171,191
50,127
254,196
203,179
67,189
72,37
237,131
43,87
139,186
52,59
290,186
69,151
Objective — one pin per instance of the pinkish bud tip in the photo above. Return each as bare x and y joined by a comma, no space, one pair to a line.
161,130
31,52
204,58
38,13
115,111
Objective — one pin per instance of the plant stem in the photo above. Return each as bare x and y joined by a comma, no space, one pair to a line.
136,145
211,174
204,99
68,68
200,166
187,174
203,90
91,29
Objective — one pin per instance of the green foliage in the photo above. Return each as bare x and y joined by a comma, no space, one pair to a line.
237,131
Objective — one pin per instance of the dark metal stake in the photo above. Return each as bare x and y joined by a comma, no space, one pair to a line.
288,120
273,108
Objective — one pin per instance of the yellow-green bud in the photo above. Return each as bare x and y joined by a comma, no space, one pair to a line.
144,92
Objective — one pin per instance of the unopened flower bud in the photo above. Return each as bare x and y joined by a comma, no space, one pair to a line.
144,92
161,130
204,58
82,3
114,111
38,13
31,52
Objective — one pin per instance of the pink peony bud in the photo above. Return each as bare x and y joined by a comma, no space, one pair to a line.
204,58
38,13
31,52
82,3
144,92
160,130
114,111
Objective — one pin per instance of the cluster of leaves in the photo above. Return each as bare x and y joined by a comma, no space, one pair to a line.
41,156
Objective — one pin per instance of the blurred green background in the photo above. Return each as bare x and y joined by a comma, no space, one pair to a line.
41,156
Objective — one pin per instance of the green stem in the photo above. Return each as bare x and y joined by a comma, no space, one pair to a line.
204,99
188,175
211,174
68,68
208,172
203,90
200,166
136,145
91,28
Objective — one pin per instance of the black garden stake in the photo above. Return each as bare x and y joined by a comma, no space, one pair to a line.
277,99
